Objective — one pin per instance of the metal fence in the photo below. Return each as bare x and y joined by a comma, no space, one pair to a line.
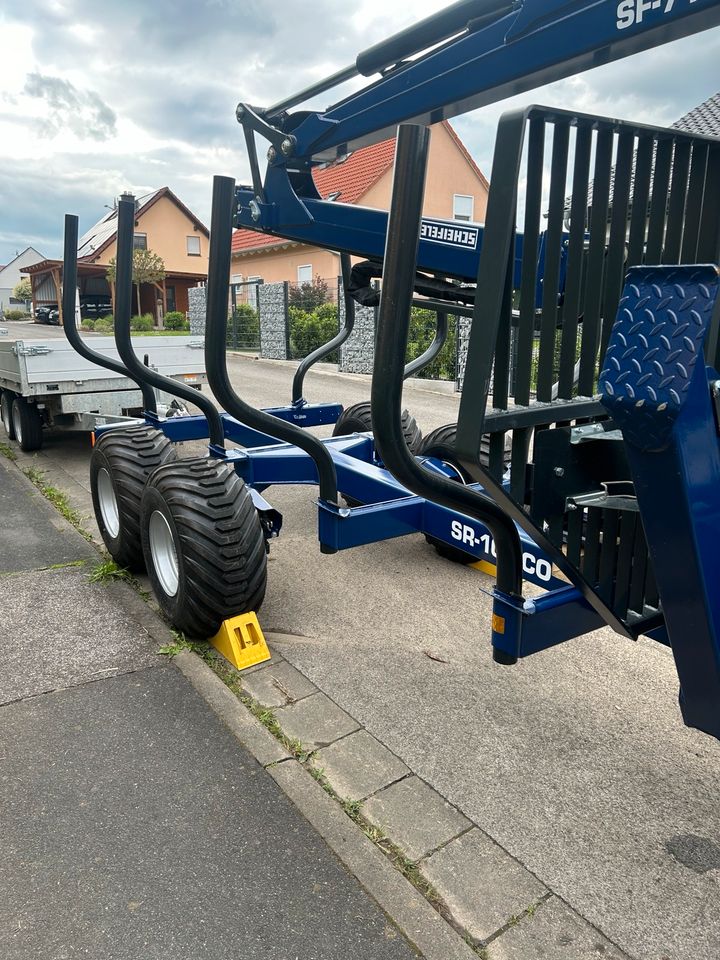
312,315
243,329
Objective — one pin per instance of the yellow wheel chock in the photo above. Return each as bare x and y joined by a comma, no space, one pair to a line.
240,640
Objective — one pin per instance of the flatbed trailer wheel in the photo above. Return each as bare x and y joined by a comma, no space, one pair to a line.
121,462
431,447
6,400
358,419
203,545
27,424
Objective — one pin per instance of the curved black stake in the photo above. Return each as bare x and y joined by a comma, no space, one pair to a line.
123,307
215,356
340,337
393,323
68,309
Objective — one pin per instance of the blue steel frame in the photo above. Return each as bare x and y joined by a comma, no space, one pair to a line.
388,510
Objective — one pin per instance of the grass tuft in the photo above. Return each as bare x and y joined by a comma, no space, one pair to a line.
7,451
109,572
180,643
58,499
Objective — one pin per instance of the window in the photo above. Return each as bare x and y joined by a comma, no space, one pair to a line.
140,241
463,207
305,273
193,246
252,291
170,298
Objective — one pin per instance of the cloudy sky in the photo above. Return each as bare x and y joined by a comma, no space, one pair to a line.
98,98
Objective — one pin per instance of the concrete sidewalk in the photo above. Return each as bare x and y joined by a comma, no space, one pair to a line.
134,824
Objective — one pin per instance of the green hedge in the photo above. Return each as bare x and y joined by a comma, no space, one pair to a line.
105,324
422,334
243,329
176,320
310,330
142,323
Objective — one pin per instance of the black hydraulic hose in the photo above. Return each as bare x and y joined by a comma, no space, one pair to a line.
215,355
347,73
340,337
440,26
434,29
394,319
70,327
123,308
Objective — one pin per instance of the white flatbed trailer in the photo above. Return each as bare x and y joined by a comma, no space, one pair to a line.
46,384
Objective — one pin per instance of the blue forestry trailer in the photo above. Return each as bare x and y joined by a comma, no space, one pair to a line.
585,458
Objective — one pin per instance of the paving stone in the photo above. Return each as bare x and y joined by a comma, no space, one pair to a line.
275,658
553,932
277,685
415,817
482,885
315,721
359,765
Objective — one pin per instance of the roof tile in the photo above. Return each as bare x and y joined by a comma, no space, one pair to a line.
704,119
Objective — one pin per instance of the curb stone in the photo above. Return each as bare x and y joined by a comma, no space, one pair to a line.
402,903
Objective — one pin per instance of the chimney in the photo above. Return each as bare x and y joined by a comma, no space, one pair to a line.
128,195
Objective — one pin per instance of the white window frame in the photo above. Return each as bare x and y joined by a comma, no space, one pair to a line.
194,237
305,266
461,216
252,291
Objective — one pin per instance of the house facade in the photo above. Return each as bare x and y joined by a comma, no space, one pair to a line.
11,275
164,225
455,189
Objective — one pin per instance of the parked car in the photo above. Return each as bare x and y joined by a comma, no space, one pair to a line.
47,313
93,306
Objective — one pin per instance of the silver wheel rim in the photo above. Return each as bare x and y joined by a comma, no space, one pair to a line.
164,554
5,408
108,503
17,422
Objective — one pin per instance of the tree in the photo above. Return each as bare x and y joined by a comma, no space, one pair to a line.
309,295
23,289
148,267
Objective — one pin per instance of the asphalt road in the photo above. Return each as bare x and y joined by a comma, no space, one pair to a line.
576,760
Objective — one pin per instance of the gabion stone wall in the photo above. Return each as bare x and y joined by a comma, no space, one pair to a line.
357,354
463,335
463,328
196,311
272,307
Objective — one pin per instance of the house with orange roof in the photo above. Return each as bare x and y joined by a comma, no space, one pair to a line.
456,189
164,225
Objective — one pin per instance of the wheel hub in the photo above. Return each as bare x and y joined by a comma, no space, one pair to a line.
108,503
17,422
5,411
164,553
